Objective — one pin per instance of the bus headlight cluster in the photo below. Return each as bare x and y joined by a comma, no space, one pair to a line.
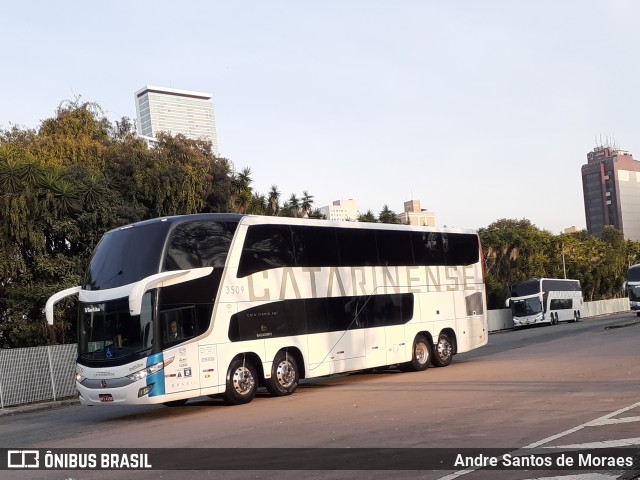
79,378
145,372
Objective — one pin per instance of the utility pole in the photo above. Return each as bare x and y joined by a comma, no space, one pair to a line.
563,267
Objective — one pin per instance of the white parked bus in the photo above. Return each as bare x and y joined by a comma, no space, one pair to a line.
545,300
178,307
633,288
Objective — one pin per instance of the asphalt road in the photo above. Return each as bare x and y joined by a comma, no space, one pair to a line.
571,384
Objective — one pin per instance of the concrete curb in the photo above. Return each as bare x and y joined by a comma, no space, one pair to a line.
37,407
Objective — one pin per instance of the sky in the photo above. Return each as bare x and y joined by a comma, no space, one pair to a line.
480,109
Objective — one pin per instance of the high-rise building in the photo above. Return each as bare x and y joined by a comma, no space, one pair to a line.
346,210
414,215
611,188
161,109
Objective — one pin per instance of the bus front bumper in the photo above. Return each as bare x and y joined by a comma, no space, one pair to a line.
137,393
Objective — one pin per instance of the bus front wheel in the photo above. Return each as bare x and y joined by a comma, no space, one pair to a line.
241,383
284,375
420,357
444,351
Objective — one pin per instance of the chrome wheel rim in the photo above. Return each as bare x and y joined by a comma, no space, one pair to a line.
285,374
422,353
243,381
444,349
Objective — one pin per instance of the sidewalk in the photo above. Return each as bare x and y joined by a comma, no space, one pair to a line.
36,407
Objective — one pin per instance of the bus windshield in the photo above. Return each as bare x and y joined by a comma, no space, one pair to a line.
108,332
523,289
634,293
126,255
529,306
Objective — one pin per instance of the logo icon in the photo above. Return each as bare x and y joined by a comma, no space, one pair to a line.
23,459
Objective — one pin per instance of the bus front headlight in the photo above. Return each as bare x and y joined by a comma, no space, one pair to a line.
145,372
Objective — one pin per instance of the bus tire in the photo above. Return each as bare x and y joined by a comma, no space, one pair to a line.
175,403
241,382
444,351
420,356
284,375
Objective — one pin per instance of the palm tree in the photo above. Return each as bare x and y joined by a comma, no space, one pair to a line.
241,191
274,200
244,178
293,205
258,205
306,204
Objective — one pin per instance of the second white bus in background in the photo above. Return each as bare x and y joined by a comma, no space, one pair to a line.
545,300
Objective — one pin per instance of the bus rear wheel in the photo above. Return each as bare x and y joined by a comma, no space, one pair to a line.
444,351
284,375
241,382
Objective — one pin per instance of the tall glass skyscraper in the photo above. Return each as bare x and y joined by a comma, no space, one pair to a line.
611,188
161,109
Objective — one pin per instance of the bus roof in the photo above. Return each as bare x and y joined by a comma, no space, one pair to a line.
264,219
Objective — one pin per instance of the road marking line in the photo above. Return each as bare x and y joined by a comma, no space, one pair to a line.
594,422
623,442
580,427
584,476
612,421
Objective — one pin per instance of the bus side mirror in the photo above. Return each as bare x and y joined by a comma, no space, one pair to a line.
507,302
55,298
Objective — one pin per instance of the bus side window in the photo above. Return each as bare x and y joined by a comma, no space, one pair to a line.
266,247
179,323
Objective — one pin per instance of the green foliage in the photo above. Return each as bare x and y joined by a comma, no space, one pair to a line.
64,185
515,250
367,217
387,216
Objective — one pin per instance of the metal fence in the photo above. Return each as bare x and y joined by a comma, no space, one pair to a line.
29,375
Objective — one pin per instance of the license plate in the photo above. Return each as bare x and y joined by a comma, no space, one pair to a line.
106,397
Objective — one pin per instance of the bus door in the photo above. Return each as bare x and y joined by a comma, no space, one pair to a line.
181,357
374,333
385,333
347,326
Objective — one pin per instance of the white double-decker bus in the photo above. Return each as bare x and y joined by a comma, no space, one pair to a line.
545,300
179,307
633,288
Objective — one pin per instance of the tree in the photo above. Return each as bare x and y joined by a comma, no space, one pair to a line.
317,214
306,204
291,208
367,217
387,216
64,185
514,250
274,200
